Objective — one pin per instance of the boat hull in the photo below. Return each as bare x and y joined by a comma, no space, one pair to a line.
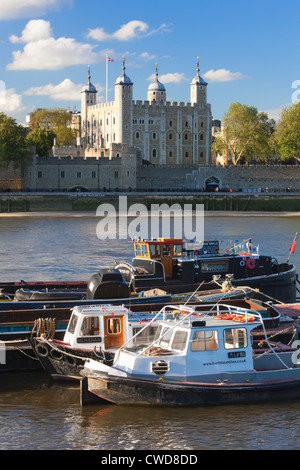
131,391
60,361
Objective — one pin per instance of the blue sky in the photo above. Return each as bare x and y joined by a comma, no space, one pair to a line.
248,50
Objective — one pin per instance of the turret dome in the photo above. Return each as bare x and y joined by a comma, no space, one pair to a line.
123,79
89,87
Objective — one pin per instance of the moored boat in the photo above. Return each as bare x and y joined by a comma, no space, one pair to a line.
93,331
173,263
200,356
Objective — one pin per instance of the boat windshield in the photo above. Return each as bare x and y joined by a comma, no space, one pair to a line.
72,323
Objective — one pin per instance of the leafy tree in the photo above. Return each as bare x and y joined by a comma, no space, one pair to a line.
247,133
58,120
13,144
42,139
287,133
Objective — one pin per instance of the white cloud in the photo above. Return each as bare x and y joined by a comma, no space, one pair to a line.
12,102
222,75
44,52
276,112
64,91
131,30
35,30
28,8
146,56
170,78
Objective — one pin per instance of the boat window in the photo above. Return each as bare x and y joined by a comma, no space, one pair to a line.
179,340
72,323
205,340
154,251
235,338
138,250
90,326
145,250
144,337
177,250
113,326
164,342
166,250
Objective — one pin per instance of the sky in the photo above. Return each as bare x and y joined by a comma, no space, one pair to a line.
248,51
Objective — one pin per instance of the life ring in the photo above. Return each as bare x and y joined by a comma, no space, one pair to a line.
56,355
242,263
225,316
243,319
250,263
42,350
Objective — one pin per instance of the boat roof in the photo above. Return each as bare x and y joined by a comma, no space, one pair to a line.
101,310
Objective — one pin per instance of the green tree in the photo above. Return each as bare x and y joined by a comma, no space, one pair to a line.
247,133
287,133
14,148
42,139
58,120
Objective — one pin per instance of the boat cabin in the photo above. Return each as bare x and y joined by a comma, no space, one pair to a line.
188,262
160,249
105,327
190,343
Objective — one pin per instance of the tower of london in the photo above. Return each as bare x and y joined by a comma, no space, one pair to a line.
166,133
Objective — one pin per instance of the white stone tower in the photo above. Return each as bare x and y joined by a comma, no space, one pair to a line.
123,107
156,91
198,89
88,98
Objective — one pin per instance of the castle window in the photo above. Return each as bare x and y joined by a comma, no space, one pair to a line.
116,174
107,137
154,135
154,155
114,120
78,174
93,174
170,136
202,123
170,154
185,137
40,174
114,137
171,123
201,155
186,154
186,124
137,135
62,174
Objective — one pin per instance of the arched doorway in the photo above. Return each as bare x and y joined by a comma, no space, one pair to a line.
212,184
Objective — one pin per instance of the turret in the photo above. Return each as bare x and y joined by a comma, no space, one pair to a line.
156,91
123,101
198,89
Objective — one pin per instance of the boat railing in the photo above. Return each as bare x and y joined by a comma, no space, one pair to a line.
184,313
245,247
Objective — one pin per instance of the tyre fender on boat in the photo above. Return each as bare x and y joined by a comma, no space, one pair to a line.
42,350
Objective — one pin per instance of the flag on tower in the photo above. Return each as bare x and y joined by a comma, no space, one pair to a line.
109,59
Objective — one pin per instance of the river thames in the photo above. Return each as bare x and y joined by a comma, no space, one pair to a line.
39,414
